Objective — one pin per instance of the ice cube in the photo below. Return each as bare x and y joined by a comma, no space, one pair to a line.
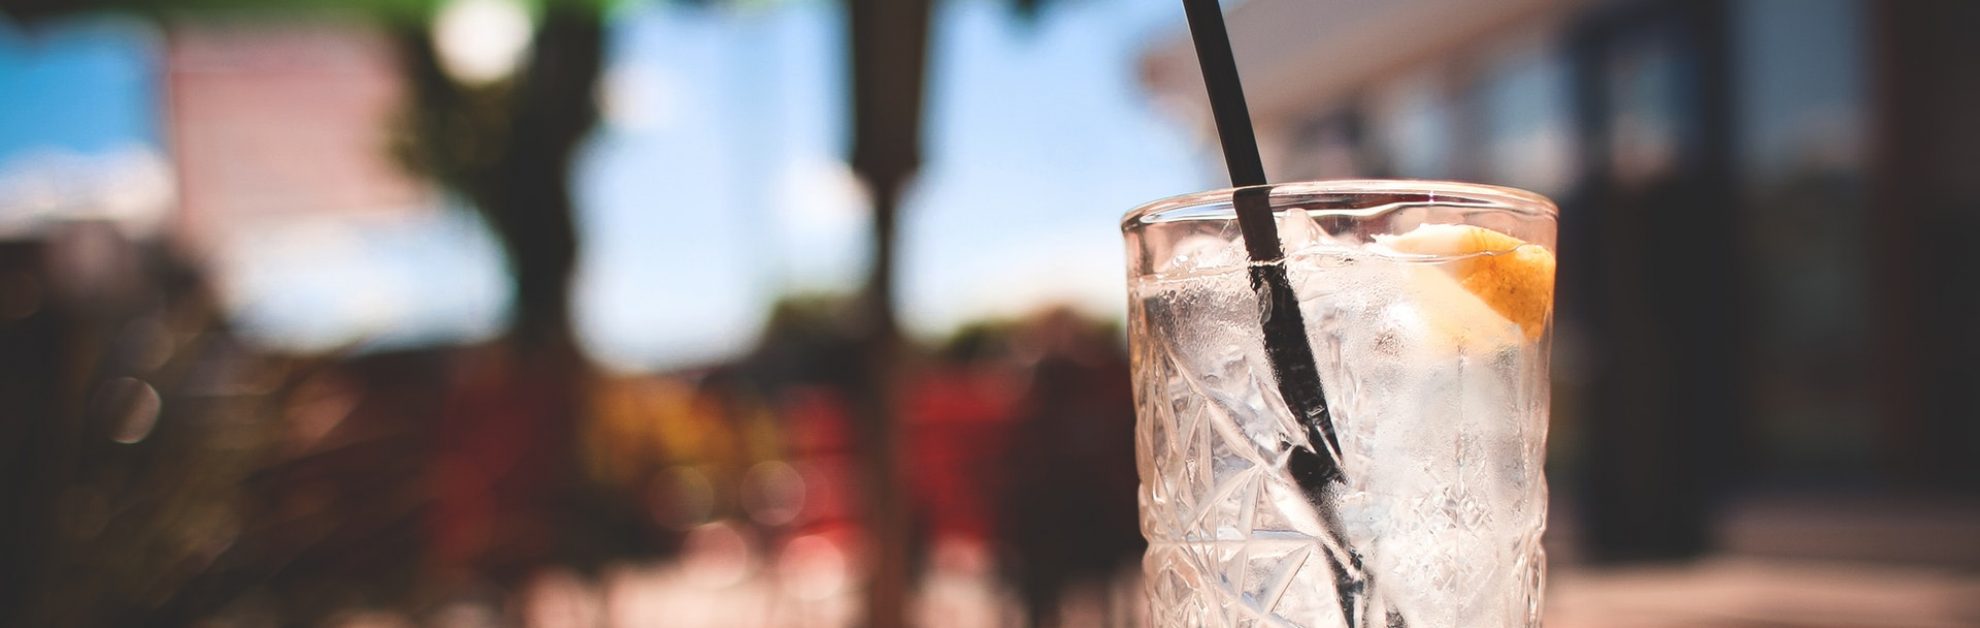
1297,231
1203,253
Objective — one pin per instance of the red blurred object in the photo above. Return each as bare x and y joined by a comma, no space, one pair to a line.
959,426
821,450
503,453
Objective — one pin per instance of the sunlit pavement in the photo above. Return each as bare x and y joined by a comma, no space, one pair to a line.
1723,592
1714,593
724,580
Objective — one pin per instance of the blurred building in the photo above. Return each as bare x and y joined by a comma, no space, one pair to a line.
274,121
286,136
1761,235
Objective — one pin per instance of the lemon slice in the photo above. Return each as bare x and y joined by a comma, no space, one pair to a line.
1513,277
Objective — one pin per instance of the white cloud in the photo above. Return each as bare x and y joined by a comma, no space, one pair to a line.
131,186
822,211
640,97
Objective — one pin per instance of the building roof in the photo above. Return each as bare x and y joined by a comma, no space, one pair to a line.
1299,55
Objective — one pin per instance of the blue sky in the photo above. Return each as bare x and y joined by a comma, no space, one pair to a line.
1038,138
83,86
716,182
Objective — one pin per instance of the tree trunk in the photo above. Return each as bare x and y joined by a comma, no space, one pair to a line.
508,148
528,193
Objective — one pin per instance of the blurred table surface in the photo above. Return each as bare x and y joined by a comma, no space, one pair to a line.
1732,591
1825,559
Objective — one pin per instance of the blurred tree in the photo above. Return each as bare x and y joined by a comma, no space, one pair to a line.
506,145
504,142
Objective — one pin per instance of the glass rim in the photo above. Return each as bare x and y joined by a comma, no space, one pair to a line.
1510,199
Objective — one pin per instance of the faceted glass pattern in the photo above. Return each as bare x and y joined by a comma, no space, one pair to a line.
1440,407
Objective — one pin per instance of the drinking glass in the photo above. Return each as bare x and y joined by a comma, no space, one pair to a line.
1428,307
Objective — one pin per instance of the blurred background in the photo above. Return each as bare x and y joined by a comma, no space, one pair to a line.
383,313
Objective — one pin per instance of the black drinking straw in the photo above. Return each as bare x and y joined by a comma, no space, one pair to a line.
1315,466
1285,332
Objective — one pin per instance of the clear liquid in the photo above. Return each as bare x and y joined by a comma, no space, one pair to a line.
1440,406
